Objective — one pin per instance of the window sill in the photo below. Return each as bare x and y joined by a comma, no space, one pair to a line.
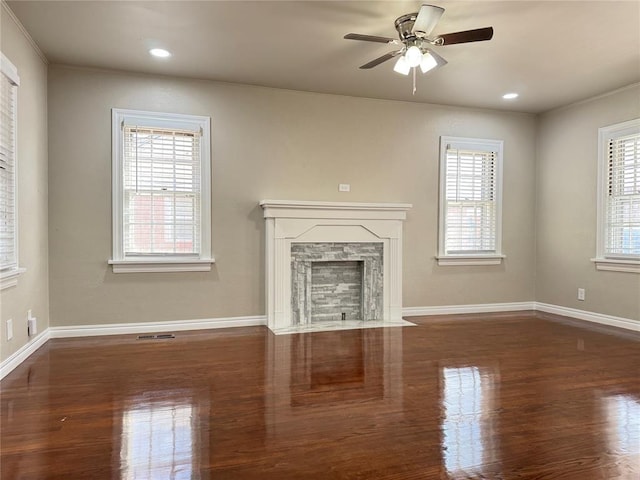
9,278
617,265
455,260
161,266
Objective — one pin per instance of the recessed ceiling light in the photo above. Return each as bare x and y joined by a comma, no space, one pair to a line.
510,96
159,52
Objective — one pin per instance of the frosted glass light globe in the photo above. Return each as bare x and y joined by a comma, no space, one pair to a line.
427,63
402,66
413,56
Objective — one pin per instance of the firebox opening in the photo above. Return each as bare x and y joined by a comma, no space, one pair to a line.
336,290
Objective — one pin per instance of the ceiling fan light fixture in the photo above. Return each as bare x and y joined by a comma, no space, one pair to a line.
402,66
414,42
413,56
428,62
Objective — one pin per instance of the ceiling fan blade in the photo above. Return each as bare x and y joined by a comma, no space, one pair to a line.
379,60
369,38
477,35
427,18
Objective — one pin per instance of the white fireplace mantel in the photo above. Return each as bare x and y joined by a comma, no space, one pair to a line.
291,221
311,209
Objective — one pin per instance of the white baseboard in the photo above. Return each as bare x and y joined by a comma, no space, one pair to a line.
594,317
155,327
574,313
122,329
208,323
23,353
477,308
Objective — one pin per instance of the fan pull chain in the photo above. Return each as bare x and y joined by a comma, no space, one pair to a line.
414,80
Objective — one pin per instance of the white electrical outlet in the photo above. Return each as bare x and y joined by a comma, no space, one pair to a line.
32,324
344,187
581,294
9,329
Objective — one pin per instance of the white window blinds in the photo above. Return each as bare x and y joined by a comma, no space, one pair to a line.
8,220
622,198
161,191
470,199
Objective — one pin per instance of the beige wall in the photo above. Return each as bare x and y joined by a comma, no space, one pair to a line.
32,291
275,144
566,208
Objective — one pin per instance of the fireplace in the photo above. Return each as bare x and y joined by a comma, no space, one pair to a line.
333,265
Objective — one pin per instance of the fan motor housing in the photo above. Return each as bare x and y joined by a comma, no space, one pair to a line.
404,25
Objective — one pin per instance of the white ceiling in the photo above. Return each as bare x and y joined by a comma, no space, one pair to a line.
551,52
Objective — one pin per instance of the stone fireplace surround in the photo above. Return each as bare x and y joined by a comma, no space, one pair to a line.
306,256
290,222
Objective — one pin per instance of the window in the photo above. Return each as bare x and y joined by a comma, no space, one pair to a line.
619,197
9,269
470,201
161,192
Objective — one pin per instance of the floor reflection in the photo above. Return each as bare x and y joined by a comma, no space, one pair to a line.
158,438
331,370
468,441
623,418
338,367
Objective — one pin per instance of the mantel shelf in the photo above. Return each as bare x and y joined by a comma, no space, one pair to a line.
319,209
334,205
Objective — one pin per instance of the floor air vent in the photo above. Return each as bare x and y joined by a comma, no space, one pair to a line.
160,336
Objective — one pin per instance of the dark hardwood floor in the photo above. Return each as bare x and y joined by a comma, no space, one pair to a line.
502,396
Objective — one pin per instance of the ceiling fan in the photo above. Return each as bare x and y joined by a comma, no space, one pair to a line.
414,30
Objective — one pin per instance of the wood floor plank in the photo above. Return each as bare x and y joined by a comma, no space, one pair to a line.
492,396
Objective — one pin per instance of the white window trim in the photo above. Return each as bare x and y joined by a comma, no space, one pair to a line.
9,276
168,263
453,260
602,261
442,257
